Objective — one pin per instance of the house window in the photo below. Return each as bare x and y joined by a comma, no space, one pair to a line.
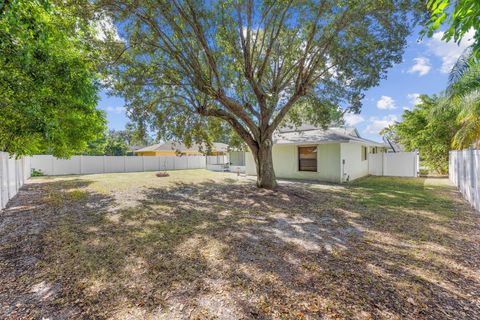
364,153
307,158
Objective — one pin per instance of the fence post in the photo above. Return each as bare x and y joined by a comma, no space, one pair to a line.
143,163
458,162
124,163
471,177
17,176
8,179
4,181
52,161
475,179
81,164
383,163
1,180
416,170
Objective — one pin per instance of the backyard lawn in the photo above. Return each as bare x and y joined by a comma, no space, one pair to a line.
204,245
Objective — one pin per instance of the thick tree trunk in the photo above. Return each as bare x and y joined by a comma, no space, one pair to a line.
263,160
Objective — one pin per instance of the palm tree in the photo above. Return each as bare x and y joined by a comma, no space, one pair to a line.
463,93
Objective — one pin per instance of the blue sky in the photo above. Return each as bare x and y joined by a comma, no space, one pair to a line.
424,70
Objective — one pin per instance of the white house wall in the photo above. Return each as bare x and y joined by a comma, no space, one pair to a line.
354,167
285,163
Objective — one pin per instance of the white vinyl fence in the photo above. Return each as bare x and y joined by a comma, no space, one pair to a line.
13,174
52,166
217,163
395,164
464,172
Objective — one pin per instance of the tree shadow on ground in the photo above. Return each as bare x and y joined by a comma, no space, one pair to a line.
28,290
227,249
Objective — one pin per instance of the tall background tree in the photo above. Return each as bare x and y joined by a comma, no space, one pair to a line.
428,131
48,79
188,64
118,142
459,18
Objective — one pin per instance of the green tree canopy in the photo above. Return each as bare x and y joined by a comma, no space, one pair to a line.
116,144
188,64
463,95
48,79
428,131
459,16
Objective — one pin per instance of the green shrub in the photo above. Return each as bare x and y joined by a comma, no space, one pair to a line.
37,173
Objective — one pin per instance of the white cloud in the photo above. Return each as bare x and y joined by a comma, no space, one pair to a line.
352,119
117,110
422,66
105,29
449,52
413,98
377,124
386,103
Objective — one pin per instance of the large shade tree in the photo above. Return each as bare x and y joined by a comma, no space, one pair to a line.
48,79
188,64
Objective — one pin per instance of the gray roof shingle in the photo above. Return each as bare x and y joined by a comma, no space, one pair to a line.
312,135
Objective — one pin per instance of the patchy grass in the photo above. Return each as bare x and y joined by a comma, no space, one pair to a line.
204,245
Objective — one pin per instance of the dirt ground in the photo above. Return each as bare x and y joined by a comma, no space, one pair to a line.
204,245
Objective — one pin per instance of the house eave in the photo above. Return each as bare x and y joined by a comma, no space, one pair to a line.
370,143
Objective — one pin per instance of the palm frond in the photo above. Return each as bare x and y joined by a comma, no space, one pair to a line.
463,64
443,104
469,118
470,105
470,80
468,134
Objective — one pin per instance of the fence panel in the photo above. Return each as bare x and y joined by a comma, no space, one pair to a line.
133,164
464,172
167,163
375,164
398,164
217,163
13,174
114,164
151,164
12,177
64,167
199,162
50,165
219,159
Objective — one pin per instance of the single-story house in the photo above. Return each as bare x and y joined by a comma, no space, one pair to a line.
171,148
307,152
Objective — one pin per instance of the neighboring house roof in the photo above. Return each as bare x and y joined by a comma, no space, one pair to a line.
177,146
314,135
135,147
393,145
